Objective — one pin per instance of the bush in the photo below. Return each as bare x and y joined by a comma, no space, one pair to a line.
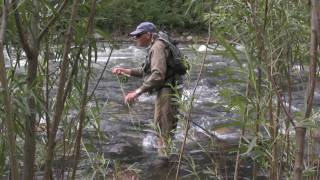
122,16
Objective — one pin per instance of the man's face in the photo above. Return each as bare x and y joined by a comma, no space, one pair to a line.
143,39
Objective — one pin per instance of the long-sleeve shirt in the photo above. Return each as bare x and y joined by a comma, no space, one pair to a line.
155,77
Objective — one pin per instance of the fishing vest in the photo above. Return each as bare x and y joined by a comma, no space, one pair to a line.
175,67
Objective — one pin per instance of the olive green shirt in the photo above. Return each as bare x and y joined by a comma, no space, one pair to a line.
155,78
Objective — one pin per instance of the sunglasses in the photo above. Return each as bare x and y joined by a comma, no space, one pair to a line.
139,35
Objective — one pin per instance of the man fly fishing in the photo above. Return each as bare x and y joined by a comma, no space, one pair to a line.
162,74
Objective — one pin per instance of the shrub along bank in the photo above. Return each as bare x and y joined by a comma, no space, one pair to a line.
121,16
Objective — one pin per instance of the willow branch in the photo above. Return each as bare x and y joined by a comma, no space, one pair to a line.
59,105
318,22
313,58
52,20
101,75
301,131
188,118
84,99
7,97
266,8
275,87
22,35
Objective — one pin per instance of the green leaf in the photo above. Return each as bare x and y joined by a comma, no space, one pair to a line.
251,145
50,7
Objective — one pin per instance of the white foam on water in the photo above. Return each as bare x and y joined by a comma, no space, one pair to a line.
202,48
203,94
221,64
148,141
240,47
43,120
146,98
293,108
105,59
226,136
222,136
298,68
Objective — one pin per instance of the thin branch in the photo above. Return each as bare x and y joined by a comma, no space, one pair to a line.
275,87
52,20
242,133
101,75
22,35
7,97
313,57
301,131
84,100
59,105
318,22
188,118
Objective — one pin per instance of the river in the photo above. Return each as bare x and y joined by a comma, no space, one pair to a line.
124,146
129,138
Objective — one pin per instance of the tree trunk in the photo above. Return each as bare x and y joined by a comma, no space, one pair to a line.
313,57
7,98
301,131
259,35
59,105
31,48
300,141
29,129
287,123
32,85
273,168
85,91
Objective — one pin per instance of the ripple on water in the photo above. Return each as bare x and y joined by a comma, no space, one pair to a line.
148,142
203,94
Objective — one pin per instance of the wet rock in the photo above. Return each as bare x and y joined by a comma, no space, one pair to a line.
119,148
160,162
123,174
189,38
125,150
316,136
65,161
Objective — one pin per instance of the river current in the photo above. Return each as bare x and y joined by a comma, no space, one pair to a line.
125,145
130,139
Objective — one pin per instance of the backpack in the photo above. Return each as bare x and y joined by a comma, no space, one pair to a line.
179,64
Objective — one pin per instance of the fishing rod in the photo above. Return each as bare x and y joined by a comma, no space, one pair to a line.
207,131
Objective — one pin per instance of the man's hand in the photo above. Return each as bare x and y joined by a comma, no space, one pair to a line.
130,97
120,71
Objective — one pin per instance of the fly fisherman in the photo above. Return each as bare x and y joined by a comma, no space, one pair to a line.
158,77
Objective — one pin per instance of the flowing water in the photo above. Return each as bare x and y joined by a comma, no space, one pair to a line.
126,142
130,139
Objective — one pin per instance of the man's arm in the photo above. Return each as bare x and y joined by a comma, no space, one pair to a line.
158,56
156,79
136,72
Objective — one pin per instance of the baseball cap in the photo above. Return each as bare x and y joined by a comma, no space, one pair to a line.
144,27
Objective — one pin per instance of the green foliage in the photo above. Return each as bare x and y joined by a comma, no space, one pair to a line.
274,37
122,78
272,43
121,16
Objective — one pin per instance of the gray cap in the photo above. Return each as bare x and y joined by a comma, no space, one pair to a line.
144,27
